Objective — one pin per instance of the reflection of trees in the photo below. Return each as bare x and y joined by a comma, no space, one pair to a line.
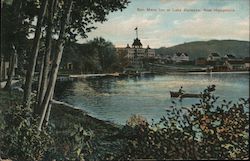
63,89
102,85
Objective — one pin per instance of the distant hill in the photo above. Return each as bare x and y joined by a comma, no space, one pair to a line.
204,48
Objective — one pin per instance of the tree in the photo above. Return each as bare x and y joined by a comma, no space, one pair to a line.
9,43
56,61
106,53
76,16
11,68
47,54
16,20
33,55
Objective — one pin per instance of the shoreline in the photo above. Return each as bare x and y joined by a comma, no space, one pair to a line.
72,77
68,108
64,118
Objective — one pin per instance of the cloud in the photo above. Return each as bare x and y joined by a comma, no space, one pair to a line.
182,1
210,28
168,28
122,28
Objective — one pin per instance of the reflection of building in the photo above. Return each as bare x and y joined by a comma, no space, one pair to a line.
180,57
135,55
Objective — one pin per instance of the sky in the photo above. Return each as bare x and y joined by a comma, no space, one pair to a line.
165,23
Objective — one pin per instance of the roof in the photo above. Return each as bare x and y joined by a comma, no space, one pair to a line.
236,62
230,56
179,54
137,42
215,54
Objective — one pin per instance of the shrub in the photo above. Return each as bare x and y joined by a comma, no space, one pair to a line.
72,143
21,139
137,120
204,131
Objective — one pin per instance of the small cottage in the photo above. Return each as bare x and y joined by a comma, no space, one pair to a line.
213,57
229,57
180,57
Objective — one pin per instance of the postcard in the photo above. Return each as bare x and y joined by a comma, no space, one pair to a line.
124,80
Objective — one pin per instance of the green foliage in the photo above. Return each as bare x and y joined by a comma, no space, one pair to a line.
96,56
105,51
21,139
71,143
16,20
86,12
204,131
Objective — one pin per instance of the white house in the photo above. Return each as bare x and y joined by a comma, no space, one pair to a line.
180,57
213,57
150,52
229,57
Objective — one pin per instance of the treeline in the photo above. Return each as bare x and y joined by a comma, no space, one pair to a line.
95,56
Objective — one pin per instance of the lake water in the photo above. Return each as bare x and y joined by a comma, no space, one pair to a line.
116,99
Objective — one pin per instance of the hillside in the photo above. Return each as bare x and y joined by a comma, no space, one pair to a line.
203,48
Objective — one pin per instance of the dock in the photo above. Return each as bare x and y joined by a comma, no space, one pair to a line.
94,75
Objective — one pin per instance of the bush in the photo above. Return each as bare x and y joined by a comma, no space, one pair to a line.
72,143
137,120
21,139
204,131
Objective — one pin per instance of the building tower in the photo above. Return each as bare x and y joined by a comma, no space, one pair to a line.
137,42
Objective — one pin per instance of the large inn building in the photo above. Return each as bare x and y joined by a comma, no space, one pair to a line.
135,54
